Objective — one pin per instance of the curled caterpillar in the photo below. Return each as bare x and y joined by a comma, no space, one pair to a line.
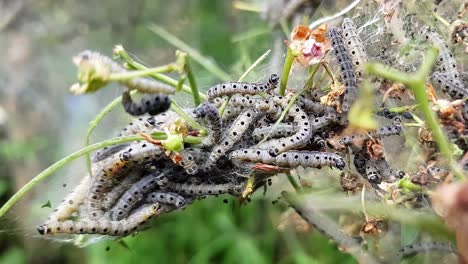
449,86
232,136
299,139
72,202
281,130
416,248
346,68
232,88
210,114
117,190
136,193
169,198
290,159
102,226
141,84
234,189
354,46
152,104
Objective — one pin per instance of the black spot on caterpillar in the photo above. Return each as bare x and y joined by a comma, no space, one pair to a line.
354,45
297,140
290,159
232,88
152,104
143,85
318,123
381,132
169,198
107,152
72,202
136,193
281,130
372,174
449,86
148,124
102,226
232,136
416,248
210,114
234,189
346,68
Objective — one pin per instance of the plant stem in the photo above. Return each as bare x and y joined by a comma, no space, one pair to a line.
120,52
95,122
293,182
193,83
288,61
208,64
140,73
417,83
59,164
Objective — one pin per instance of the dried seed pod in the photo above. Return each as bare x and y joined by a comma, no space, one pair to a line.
290,159
234,189
281,130
72,202
102,226
232,136
169,198
449,86
143,85
346,68
297,140
416,248
232,88
152,104
354,46
210,114
136,193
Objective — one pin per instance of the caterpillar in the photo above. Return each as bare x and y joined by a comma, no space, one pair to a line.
381,132
148,124
117,163
281,130
372,174
437,172
318,123
387,172
232,88
318,141
107,152
234,189
102,226
141,84
290,159
188,162
346,67
244,101
136,193
170,198
71,202
354,46
232,136
449,86
152,104
316,95
312,107
416,248
299,139
113,195
360,161
209,113
448,65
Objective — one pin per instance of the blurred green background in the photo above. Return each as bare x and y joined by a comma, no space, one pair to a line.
40,122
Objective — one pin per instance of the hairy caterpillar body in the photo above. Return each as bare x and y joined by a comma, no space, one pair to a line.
354,46
232,136
136,193
299,139
346,68
234,189
312,107
141,84
102,226
290,159
152,104
232,88
169,198
107,152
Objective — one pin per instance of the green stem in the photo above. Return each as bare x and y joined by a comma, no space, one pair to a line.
258,61
140,73
59,164
293,182
179,111
193,83
208,64
406,184
120,52
286,70
95,122
329,72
